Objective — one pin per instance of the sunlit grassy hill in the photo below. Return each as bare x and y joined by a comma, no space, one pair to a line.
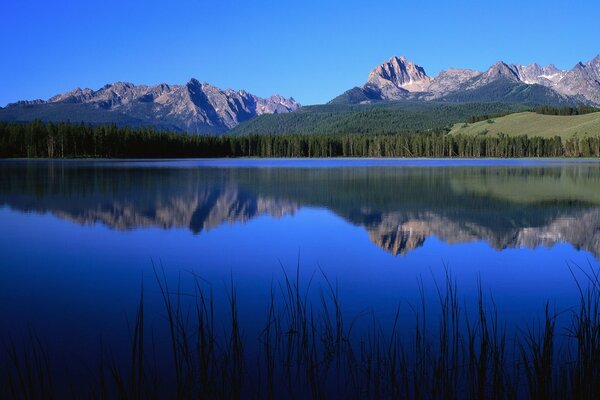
533,124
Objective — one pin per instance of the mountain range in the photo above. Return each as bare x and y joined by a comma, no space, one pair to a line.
400,79
198,108
201,108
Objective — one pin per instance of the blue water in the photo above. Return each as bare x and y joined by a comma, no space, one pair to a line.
79,238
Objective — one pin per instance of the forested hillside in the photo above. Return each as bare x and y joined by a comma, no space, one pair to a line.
380,118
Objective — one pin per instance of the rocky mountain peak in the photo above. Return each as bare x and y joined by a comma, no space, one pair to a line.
583,81
121,85
594,64
551,68
536,74
25,103
501,69
401,79
402,73
74,96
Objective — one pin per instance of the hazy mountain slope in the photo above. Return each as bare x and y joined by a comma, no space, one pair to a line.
510,91
75,113
449,80
532,124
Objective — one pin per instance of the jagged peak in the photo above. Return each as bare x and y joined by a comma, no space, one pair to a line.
80,90
205,86
552,67
500,65
74,94
400,60
403,62
595,61
118,85
194,82
25,103
500,68
401,73
282,99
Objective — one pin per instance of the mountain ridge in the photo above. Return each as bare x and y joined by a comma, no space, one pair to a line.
195,107
201,108
400,79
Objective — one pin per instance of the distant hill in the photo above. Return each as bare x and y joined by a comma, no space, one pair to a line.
195,107
378,118
532,124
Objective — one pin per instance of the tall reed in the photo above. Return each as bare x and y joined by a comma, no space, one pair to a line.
308,348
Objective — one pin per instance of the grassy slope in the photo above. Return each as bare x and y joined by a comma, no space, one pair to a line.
532,124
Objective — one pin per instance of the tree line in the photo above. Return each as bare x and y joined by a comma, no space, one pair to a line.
64,140
545,110
552,110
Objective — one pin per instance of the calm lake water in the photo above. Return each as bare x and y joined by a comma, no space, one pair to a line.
79,238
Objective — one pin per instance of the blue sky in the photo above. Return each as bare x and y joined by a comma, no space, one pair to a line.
311,50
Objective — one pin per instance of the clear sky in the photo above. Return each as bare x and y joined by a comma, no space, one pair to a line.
311,50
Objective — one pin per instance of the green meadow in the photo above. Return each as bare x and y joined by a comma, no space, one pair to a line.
533,124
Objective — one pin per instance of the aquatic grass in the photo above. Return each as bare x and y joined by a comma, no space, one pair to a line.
134,383
308,347
537,354
584,371
28,373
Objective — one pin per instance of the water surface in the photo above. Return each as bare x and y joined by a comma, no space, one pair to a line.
78,238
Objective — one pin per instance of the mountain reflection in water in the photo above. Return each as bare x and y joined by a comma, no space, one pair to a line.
400,207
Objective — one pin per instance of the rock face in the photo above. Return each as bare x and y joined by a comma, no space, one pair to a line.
535,74
195,107
584,80
400,73
500,70
401,79
451,79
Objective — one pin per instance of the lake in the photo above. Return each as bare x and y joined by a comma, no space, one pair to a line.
79,239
